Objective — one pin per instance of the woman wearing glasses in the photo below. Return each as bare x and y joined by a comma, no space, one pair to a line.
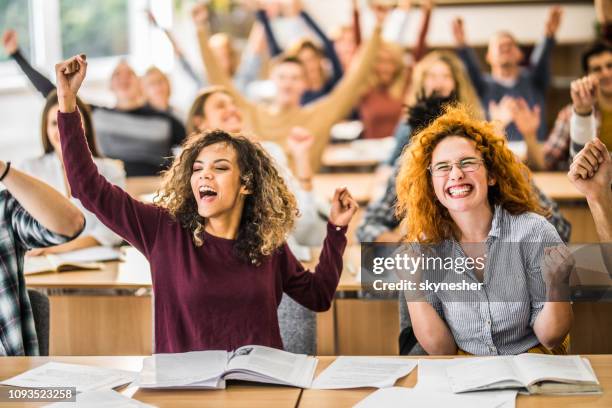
468,197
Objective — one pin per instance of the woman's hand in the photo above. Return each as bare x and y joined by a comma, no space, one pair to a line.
10,42
343,207
70,75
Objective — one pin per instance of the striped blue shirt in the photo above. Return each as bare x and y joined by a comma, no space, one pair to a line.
499,318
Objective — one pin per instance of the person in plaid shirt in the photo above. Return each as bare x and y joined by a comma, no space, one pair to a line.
582,120
32,215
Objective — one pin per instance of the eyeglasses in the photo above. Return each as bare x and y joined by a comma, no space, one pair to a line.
467,165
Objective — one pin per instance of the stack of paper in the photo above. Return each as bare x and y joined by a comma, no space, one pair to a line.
357,372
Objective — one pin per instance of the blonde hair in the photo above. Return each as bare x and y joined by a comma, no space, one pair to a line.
466,94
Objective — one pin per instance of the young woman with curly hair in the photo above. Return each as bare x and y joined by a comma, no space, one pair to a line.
214,237
462,192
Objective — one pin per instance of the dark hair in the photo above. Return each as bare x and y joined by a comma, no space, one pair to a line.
197,107
598,47
269,210
427,109
287,59
87,124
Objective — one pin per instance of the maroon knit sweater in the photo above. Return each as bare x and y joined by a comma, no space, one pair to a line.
205,298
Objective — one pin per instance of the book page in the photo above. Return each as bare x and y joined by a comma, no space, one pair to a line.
87,255
357,372
483,373
84,378
196,368
101,399
539,367
284,367
37,264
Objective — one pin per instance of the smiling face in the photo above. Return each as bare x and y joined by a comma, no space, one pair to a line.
439,79
216,183
220,112
460,191
600,65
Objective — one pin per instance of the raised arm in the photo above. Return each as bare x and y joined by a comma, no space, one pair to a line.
540,58
420,48
189,70
216,75
328,45
47,206
273,47
133,220
11,47
582,122
356,22
316,290
468,57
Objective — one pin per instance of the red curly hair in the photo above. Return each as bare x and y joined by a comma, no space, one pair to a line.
424,218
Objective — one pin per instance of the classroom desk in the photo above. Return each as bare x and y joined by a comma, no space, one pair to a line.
96,321
362,154
602,365
237,394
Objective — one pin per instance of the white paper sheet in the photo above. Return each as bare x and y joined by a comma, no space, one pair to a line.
101,399
411,397
357,372
84,378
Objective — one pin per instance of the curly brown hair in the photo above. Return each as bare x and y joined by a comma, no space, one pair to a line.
269,210
426,220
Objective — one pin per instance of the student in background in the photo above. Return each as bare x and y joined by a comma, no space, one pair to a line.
214,108
318,82
592,99
244,70
460,174
591,107
507,77
50,168
222,207
443,74
275,122
131,131
591,174
32,215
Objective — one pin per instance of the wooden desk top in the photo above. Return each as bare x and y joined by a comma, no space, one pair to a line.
235,395
602,364
360,185
557,186
358,153
135,273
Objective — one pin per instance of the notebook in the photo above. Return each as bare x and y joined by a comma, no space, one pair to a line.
533,373
210,369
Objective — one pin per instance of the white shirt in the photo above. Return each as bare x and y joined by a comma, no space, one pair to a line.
48,168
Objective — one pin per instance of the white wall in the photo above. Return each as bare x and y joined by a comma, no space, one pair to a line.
20,107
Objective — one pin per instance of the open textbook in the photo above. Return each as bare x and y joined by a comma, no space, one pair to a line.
82,259
210,369
82,377
535,373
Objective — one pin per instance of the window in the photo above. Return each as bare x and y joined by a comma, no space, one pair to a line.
15,14
98,28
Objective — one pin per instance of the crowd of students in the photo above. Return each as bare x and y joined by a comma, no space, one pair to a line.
241,185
